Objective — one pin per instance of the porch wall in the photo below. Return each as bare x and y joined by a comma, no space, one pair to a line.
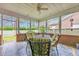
20,37
70,40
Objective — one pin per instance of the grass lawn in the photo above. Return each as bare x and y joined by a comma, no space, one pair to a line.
9,38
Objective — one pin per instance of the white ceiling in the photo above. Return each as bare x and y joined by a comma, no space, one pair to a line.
29,10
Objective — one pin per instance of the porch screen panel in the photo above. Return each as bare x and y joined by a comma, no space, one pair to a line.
0,24
42,26
9,28
24,25
34,26
70,24
53,25
0,31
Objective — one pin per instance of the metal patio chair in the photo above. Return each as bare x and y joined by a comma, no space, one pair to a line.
54,41
40,47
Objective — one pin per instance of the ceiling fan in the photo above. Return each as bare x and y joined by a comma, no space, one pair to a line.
39,7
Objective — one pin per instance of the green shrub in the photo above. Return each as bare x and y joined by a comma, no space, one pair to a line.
42,29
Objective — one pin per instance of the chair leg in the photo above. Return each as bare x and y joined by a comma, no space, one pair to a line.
57,50
73,51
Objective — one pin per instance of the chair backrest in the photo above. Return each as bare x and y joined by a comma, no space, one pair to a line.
54,39
29,36
40,47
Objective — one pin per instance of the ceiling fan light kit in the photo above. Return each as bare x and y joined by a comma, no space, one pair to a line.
39,7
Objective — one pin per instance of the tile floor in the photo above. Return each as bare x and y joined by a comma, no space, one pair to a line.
23,49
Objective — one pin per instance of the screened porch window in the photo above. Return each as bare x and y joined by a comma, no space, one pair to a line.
70,24
34,26
75,26
53,25
0,24
24,25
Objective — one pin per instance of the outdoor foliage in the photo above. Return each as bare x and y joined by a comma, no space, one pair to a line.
7,28
21,28
42,29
